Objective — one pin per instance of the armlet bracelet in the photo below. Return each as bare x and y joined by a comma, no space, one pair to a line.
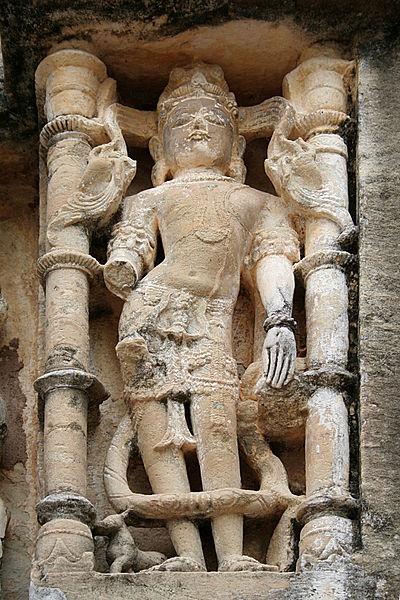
279,321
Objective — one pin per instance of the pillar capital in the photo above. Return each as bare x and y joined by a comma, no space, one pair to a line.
318,82
67,83
318,90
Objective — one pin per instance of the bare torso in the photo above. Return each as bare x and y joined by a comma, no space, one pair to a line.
206,231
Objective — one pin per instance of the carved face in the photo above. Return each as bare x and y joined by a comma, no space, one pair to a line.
198,132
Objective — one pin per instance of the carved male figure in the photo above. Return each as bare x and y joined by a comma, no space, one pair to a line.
175,343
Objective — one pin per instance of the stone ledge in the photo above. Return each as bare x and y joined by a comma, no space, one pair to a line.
152,586
325,581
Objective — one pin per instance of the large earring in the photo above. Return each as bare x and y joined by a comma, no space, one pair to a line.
160,171
237,169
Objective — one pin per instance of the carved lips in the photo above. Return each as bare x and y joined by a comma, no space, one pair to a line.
199,135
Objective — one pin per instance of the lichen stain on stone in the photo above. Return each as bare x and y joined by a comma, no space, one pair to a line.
76,427
45,593
64,355
14,450
376,520
75,401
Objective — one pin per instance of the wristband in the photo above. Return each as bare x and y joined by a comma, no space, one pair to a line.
279,321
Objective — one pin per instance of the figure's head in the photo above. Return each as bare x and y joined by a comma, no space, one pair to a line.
197,125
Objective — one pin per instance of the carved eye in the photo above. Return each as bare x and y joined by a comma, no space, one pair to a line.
215,118
182,120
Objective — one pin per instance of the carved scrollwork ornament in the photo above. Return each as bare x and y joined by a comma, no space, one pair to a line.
67,259
106,178
298,177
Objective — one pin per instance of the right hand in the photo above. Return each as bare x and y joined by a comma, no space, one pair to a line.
120,275
279,356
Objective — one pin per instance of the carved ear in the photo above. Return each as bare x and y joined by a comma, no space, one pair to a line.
160,171
155,148
237,169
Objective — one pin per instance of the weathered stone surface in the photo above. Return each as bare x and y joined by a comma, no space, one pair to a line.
18,361
180,586
157,36
379,354
3,95
322,583
45,593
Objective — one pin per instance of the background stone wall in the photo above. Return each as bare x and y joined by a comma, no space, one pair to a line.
162,30
379,326
18,360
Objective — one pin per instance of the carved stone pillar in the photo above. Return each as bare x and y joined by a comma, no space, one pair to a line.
317,90
85,184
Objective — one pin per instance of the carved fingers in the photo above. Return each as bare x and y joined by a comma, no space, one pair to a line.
279,356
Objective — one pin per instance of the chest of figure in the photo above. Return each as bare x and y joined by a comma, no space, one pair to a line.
210,213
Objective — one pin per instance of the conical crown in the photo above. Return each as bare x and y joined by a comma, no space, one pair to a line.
196,81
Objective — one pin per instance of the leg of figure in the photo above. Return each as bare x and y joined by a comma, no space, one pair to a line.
268,467
214,424
166,470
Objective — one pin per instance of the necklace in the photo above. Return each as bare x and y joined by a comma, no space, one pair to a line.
201,177
214,225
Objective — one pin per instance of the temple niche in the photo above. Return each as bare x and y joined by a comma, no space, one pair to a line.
195,425
241,445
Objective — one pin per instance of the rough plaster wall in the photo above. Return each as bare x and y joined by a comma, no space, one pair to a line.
379,350
18,366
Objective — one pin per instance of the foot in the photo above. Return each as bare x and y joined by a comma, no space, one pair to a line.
146,560
183,564
243,563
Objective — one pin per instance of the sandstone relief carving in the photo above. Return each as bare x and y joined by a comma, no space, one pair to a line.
184,394
88,171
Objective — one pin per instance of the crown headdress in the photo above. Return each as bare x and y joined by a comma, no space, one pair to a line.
200,80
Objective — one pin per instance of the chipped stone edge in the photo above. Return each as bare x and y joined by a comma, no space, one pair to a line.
45,593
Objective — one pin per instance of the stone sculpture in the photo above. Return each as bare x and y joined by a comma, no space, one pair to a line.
175,342
181,383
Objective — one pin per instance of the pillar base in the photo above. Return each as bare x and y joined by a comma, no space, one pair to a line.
327,539
63,546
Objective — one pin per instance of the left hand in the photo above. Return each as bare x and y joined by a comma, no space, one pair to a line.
279,356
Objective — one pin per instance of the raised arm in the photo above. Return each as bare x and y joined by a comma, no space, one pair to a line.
132,248
274,249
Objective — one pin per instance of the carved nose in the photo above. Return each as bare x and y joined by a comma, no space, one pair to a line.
199,122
